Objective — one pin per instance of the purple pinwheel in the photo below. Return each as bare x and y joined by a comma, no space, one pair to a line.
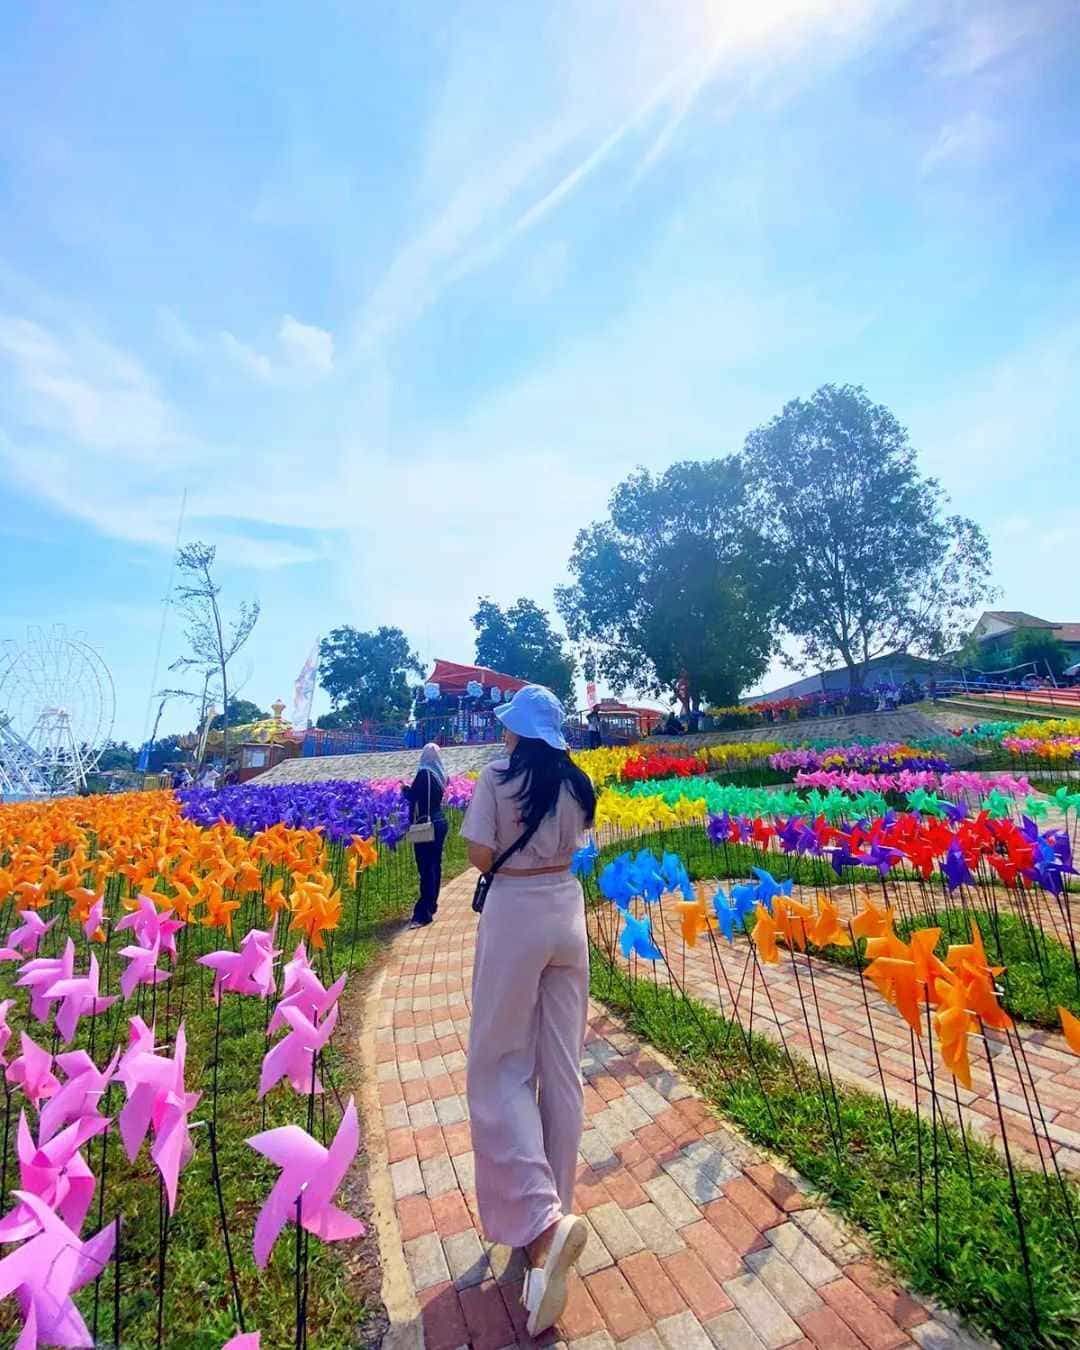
41,974
44,1273
32,1071
954,868
883,858
25,940
56,1173
340,809
719,828
310,1177
79,998
295,1054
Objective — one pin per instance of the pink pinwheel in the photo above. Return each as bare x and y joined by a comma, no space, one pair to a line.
248,971
25,940
44,1273
55,1172
79,999
94,925
32,1071
41,974
157,1099
5,1031
142,968
294,1055
80,1095
247,1340
310,1174
307,995
152,925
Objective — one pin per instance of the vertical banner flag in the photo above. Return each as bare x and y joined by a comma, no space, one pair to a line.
304,691
590,694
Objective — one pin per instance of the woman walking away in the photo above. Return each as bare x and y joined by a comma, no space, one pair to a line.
425,796
530,997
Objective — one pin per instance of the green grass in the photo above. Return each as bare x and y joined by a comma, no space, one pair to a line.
199,1315
979,1273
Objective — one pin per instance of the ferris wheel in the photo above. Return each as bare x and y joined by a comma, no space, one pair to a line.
57,706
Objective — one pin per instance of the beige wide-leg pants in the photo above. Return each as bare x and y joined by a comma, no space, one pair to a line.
530,998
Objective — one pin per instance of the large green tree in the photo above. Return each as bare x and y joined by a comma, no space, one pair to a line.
676,580
520,641
367,675
1041,646
875,562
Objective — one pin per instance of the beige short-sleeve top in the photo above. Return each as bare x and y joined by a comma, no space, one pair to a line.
492,821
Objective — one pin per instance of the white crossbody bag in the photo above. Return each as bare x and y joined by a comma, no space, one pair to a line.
423,831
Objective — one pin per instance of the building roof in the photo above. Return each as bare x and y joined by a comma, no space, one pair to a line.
1067,632
1017,618
453,679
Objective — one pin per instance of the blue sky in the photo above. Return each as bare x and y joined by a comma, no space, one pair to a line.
399,292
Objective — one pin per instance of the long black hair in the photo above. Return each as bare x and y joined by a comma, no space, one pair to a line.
543,770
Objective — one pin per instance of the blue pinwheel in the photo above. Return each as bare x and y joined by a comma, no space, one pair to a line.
583,863
726,914
744,897
636,937
768,887
676,877
648,878
616,881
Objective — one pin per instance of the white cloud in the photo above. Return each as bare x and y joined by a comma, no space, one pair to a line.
969,138
77,385
307,346
985,32
246,358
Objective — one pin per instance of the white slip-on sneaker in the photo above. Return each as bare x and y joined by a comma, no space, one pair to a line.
544,1293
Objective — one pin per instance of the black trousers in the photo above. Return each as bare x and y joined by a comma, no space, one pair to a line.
429,865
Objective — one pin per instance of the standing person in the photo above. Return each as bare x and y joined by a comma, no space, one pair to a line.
425,795
530,997
595,737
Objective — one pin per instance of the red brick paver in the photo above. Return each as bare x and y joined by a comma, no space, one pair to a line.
692,1229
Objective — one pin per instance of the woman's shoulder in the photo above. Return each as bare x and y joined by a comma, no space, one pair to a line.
492,771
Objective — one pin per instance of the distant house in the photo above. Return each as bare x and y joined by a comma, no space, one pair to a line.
997,627
892,668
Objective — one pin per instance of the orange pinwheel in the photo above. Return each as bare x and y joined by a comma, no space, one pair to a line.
791,918
219,911
928,968
1070,1027
764,935
364,850
827,931
274,897
896,981
954,1024
871,922
695,916
316,909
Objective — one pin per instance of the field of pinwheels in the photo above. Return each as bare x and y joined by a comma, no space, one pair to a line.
884,987
179,1126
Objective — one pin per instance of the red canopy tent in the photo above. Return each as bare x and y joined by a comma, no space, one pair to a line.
453,680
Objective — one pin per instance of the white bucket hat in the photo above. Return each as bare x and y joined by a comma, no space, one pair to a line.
536,713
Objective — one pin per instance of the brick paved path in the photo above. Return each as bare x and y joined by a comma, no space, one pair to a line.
696,1239
769,997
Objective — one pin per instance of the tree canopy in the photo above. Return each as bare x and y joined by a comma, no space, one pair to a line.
520,641
873,562
241,712
1043,647
676,580
366,675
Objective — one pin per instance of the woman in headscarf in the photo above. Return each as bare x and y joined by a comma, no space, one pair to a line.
425,796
